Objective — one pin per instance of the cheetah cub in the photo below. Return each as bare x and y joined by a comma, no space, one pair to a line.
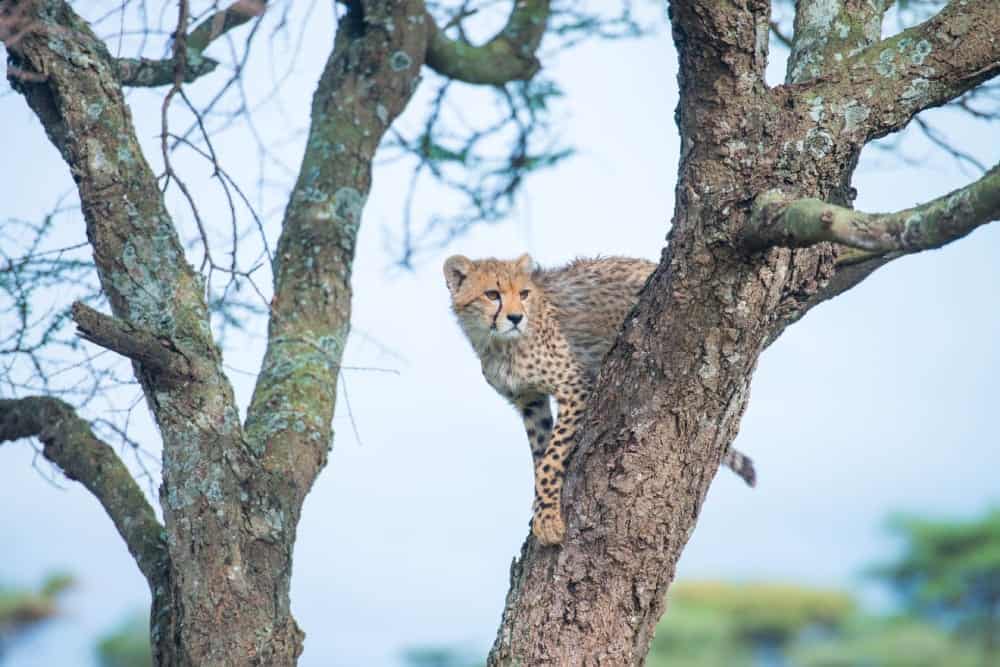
544,332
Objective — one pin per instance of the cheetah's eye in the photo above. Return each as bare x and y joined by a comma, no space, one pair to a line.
492,295
525,293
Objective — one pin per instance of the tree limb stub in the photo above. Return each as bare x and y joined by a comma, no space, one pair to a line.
508,56
156,353
149,73
779,220
924,66
69,443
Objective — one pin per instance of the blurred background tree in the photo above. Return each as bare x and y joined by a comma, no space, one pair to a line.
949,572
439,656
872,641
21,609
127,645
720,623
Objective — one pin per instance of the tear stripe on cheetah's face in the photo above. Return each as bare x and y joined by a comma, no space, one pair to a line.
492,299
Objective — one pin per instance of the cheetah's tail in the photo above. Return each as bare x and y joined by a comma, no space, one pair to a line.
741,464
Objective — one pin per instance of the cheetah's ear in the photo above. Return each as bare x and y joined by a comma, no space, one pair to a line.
525,264
456,269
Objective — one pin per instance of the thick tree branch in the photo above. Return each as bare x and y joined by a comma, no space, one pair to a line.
924,66
779,220
508,56
368,79
157,354
69,443
823,36
722,48
146,72
137,253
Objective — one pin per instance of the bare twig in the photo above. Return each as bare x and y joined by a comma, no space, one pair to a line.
155,353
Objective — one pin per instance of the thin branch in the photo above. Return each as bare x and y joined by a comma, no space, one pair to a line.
779,220
936,138
508,56
69,443
782,38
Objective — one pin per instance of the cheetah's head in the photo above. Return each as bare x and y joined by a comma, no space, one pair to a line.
492,298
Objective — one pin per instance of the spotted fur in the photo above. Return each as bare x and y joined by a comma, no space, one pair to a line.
543,333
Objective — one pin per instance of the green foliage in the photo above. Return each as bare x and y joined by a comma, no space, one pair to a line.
127,645
949,571
697,637
21,610
718,624
538,93
873,642
436,656
56,583
773,613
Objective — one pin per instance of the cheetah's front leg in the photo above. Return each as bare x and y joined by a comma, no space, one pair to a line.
537,416
547,523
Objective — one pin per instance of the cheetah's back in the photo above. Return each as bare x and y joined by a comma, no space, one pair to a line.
590,298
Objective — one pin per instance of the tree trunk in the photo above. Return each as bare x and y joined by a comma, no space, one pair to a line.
669,398
672,390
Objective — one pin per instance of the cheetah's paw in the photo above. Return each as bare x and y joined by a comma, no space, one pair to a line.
548,527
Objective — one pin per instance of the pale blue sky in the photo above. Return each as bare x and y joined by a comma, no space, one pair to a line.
879,401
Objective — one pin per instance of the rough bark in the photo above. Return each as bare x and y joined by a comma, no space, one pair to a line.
155,354
827,31
881,88
673,388
211,606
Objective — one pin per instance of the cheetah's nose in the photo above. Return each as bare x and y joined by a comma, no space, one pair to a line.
515,319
